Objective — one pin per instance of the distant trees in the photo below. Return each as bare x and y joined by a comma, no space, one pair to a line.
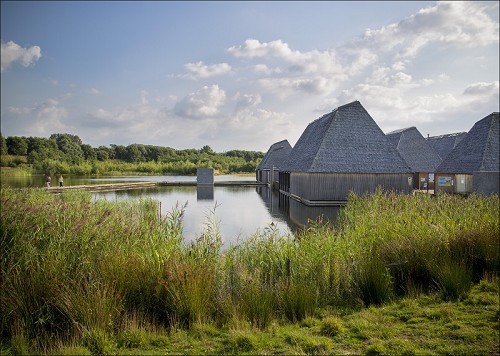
3,145
70,146
67,153
17,145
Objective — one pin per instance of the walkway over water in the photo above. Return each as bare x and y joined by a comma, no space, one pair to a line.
138,185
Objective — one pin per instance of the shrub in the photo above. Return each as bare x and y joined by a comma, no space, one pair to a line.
98,342
454,278
298,300
332,326
257,304
132,338
372,280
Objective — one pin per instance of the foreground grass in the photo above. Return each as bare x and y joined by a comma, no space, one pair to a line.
424,325
80,276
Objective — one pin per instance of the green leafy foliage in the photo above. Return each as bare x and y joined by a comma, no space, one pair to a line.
65,153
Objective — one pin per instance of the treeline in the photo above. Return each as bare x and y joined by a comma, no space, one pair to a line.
66,153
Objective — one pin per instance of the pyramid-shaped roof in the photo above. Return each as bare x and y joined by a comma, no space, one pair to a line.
276,155
478,152
347,140
444,144
414,149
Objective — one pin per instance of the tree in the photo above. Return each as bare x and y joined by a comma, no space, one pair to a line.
40,148
103,153
135,153
3,145
70,145
89,153
17,145
207,149
120,152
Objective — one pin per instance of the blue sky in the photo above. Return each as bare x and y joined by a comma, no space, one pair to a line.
242,75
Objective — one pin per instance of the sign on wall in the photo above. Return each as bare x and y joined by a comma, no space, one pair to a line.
445,181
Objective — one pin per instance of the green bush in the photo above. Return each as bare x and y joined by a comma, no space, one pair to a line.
332,326
373,280
98,342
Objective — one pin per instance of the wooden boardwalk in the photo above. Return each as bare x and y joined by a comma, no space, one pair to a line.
138,185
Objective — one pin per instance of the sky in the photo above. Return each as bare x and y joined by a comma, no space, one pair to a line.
242,75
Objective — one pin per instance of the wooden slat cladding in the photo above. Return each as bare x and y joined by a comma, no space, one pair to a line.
336,186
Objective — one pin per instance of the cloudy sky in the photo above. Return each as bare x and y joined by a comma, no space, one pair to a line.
242,75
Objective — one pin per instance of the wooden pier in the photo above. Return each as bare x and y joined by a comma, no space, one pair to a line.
138,185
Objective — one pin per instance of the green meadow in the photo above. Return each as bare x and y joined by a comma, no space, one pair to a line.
413,274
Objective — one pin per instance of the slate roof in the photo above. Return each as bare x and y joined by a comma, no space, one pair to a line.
479,151
276,155
444,144
414,149
347,140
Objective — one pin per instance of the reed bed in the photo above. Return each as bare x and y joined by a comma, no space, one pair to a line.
77,271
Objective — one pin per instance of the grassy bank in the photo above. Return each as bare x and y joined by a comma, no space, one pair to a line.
103,277
179,166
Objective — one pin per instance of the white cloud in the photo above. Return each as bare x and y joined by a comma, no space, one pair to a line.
94,91
244,101
42,119
254,48
12,53
283,87
200,70
393,108
264,69
463,24
203,103
144,99
312,62
482,89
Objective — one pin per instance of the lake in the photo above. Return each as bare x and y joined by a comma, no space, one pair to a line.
238,212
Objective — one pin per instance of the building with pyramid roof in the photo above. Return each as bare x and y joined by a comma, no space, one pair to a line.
340,152
268,168
474,164
444,144
417,153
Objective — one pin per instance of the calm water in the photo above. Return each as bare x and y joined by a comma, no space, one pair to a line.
38,180
239,212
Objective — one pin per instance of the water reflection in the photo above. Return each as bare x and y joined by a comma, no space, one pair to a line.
237,212
23,180
205,192
295,213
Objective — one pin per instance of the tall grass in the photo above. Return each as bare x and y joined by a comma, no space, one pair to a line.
77,271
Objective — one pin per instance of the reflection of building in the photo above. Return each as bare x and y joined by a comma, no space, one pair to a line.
303,215
204,192
473,165
293,212
340,152
267,170
444,144
417,153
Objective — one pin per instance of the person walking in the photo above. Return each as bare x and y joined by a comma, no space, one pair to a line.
61,180
47,180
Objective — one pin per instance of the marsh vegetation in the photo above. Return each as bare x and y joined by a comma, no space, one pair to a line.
83,276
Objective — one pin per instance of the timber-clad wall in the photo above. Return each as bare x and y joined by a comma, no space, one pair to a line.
336,186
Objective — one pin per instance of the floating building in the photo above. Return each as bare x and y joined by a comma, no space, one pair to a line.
267,170
473,165
340,152
444,144
417,153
